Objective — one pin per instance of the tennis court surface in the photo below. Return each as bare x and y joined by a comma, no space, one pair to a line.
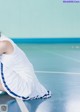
57,66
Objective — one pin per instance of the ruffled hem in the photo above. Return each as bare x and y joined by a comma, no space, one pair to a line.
13,94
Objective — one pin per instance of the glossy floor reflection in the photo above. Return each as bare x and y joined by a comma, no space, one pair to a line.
65,96
58,69
39,105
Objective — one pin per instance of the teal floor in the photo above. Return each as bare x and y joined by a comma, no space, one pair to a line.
57,66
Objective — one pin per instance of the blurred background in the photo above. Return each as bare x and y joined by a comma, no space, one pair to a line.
39,18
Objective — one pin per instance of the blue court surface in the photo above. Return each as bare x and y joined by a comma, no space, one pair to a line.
57,66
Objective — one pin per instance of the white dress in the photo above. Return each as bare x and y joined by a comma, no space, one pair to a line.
17,75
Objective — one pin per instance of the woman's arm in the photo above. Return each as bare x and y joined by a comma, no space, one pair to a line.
6,47
3,47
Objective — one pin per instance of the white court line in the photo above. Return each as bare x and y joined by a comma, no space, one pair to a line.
22,105
67,57
57,72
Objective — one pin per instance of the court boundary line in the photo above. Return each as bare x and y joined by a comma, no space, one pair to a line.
66,57
57,72
22,105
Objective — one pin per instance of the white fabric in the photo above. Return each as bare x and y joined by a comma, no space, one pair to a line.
18,74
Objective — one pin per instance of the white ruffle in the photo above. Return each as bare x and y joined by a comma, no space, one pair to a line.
17,87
